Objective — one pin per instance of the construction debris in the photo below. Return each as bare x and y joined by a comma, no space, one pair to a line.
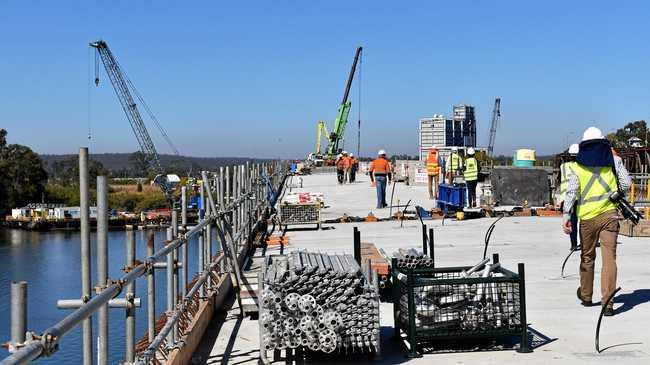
319,302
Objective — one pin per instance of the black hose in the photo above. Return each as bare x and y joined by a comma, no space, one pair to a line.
573,250
488,235
600,317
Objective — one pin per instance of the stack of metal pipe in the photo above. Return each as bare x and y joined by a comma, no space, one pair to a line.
412,259
318,301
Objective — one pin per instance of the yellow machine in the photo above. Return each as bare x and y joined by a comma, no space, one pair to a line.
322,132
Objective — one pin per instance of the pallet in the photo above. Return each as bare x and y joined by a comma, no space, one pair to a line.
377,261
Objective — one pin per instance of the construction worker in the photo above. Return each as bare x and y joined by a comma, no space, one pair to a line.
566,170
433,172
354,166
347,166
381,174
597,176
454,163
340,168
471,176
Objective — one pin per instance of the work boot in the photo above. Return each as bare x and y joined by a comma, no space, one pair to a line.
608,312
585,303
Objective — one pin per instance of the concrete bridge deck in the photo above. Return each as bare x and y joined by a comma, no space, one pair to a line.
564,330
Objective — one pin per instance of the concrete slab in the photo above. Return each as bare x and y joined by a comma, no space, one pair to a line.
553,309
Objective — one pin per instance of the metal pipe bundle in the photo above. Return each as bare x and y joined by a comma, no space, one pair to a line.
412,259
319,302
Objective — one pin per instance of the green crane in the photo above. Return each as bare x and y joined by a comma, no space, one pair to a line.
336,136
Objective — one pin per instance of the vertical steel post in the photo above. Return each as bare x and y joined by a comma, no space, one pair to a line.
201,262
220,199
130,297
431,249
184,248
18,312
84,222
207,245
170,287
175,253
357,245
524,346
102,267
425,239
151,291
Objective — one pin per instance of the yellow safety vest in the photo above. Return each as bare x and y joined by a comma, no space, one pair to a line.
454,162
471,169
596,185
566,170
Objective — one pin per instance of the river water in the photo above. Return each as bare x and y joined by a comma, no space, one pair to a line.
50,263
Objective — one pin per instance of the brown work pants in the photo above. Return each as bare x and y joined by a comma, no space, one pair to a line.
433,186
604,226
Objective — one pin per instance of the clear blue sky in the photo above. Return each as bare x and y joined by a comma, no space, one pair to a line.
228,79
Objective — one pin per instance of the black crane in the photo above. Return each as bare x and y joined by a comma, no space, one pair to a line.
123,88
496,115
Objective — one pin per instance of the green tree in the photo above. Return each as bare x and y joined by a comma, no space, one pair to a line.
23,177
620,138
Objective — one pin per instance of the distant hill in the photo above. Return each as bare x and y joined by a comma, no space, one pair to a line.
119,163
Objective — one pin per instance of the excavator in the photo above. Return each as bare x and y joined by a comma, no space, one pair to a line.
335,138
123,89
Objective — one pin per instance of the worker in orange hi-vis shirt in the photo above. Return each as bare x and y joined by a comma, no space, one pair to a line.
380,174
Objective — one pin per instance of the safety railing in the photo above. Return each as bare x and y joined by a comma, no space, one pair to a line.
639,193
236,206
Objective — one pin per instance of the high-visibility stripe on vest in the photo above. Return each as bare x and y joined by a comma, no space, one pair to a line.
566,170
596,185
432,163
471,169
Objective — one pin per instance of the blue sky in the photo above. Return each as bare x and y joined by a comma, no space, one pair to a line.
253,78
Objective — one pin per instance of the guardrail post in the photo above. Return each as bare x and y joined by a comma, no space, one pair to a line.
151,291
184,249
18,312
207,244
130,297
84,223
170,287
102,267
175,253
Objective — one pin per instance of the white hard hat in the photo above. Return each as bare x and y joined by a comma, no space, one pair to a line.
345,152
592,133
574,149
381,152
351,155
470,151
454,148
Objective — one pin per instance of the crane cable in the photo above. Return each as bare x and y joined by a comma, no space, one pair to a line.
359,108
88,96
130,84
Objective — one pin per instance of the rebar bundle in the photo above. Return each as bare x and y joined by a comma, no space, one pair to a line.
320,302
412,259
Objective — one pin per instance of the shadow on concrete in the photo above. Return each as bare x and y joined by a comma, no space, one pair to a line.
631,300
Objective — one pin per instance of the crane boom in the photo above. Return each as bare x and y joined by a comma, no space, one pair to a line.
122,87
344,110
496,114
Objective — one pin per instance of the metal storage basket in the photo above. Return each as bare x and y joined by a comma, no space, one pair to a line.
439,304
302,213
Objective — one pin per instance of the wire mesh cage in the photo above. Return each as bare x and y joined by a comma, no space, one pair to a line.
445,303
302,213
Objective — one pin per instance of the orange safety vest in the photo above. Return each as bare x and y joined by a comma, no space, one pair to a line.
380,166
433,168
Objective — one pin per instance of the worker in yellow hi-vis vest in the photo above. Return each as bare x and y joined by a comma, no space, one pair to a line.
597,176
471,176
567,168
453,165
